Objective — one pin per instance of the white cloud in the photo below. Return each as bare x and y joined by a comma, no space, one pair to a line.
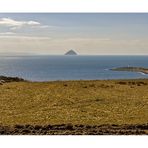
14,24
8,37
41,26
7,33
11,22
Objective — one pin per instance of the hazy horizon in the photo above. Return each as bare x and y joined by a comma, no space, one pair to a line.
86,33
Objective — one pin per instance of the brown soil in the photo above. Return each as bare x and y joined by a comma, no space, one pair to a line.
69,129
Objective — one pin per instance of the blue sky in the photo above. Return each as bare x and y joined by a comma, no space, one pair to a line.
87,33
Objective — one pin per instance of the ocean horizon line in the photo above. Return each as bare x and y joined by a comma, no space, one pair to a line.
8,55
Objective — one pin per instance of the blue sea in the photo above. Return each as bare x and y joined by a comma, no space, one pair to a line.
51,68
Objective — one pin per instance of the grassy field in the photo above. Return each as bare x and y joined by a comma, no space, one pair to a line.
74,102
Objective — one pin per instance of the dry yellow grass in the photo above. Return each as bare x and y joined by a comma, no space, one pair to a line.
76,102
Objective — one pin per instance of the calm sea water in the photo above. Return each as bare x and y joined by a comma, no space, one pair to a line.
44,68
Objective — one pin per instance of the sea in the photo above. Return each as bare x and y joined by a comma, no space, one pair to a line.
54,68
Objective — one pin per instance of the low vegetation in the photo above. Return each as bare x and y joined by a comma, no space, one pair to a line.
89,103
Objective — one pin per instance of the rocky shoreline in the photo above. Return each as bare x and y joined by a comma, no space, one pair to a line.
69,129
131,69
4,79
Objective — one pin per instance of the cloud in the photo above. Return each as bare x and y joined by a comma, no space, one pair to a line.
41,26
7,33
14,24
8,37
89,39
11,22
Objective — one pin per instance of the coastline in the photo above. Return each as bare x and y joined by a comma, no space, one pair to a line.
132,69
8,79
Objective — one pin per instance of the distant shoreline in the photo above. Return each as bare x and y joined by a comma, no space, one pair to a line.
8,79
131,69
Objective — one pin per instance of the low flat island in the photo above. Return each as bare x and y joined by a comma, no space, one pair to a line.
131,69
97,107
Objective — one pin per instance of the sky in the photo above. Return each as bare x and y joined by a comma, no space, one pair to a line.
86,33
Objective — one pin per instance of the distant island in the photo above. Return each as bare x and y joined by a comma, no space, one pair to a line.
131,69
71,52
